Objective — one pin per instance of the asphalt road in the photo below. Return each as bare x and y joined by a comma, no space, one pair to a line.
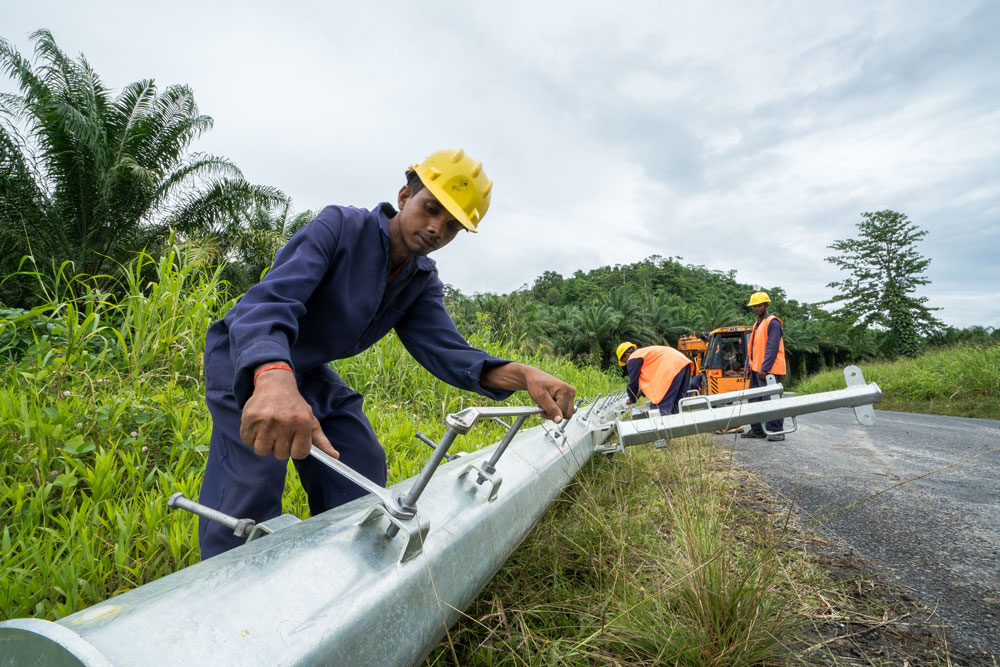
937,537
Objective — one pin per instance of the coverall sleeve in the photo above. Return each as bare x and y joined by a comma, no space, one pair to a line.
771,349
264,324
633,366
429,334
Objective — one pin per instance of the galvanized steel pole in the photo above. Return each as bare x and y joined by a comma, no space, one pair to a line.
337,589
702,421
330,590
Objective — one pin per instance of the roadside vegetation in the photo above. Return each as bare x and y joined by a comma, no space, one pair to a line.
647,560
961,380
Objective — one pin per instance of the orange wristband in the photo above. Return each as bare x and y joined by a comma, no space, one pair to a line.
271,367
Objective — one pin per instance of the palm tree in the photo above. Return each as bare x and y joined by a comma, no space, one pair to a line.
589,330
89,177
666,316
252,238
631,318
713,312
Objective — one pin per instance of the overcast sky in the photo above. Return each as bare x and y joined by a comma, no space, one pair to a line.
740,136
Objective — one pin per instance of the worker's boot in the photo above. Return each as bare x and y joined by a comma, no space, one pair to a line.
776,438
753,434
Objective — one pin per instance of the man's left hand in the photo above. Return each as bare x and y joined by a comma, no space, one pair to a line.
549,393
762,375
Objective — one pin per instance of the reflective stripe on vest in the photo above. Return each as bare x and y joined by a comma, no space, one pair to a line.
660,365
758,347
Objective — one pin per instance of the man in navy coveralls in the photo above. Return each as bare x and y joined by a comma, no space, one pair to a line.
339,285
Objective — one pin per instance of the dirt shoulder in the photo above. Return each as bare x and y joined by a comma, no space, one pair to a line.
858,617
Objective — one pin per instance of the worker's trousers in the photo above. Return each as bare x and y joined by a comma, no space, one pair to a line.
675,392
244,485
774,425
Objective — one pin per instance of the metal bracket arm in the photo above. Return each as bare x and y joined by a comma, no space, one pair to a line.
462,421
729,397
591,408
490,466
773,382
240,527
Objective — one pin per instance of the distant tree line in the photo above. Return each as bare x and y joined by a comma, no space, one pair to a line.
659,299
652,302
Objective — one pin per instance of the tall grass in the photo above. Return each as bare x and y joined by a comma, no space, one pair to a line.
645,561
962,380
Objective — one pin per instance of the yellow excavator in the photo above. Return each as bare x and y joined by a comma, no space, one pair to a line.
720,357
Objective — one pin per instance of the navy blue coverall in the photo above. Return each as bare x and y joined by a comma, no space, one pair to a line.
774,332
328,296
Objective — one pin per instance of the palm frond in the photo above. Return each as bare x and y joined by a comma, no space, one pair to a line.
224,199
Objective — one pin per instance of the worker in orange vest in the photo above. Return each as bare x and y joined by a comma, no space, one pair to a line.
658,372
766,356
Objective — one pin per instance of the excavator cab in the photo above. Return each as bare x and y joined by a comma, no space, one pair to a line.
721,359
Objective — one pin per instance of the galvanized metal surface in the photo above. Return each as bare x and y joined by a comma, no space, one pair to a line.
701,401
729,397
333,589
657,427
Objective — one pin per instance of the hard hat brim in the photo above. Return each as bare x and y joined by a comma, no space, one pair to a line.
628,347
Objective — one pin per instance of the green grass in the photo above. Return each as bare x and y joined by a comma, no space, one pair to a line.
962,381
646,560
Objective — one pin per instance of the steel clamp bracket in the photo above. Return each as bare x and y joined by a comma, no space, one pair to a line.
495,479
414,530
865,414
265,528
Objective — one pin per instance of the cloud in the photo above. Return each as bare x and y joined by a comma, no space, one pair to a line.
744,136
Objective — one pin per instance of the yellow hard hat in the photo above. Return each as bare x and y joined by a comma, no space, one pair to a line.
622,349
759,297
459,183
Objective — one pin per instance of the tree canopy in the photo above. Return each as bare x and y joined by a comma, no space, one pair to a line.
885,271
654,301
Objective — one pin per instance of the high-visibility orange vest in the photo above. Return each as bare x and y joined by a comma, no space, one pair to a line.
758,345
660,365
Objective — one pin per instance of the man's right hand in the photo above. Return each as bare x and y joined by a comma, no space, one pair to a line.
277,419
